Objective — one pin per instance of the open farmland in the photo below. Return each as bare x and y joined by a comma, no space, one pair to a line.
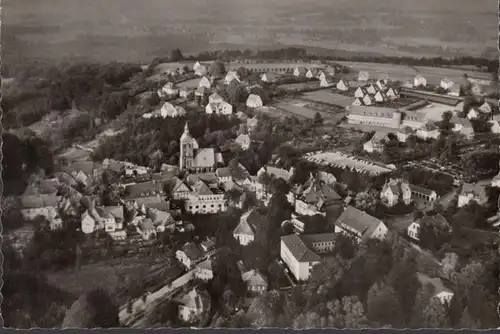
342,160
404,72
327,97
301,109
299,86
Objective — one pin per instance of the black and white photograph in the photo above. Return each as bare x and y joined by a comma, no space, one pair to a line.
250,164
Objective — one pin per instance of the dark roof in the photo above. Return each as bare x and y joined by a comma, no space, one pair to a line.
429,96
299,249
359,220
421,190
144,189
192,250
38,201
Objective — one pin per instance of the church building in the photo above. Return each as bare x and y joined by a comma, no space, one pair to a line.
195,159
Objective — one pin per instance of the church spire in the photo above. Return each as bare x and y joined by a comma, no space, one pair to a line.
186,127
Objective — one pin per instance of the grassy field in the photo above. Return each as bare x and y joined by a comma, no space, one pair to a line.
130,30
403,72
327,97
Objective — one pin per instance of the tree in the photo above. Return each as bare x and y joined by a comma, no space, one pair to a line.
217,69
176,55
467,322
94,309
366,200
435,315
354,316
318,119
445,124
383,305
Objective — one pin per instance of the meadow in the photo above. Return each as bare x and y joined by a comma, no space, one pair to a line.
130,30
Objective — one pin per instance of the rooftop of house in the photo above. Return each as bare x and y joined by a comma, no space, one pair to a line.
359,220
323,192
378,137
406,130
115,211
477,189
206,265
276,172
86,167
254,278
421,190
243,138
249,222
461,121
192,250
146,225
38,201
208,243
144,189
194,300
299,248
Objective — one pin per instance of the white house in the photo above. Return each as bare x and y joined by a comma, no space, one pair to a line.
419,81
254,101
312,73
88,223
391,93
230,76
196,66
302,252
204,82
372,90
269,77
169,110
201,71
256,282
446,83
215,98
428,131
495,127
437,220
360,225
360,92
396,190
244,141
192,305
189,254
472,114
485,108
220,108
380,97
358,102
342,85
299,71
472,192
204,270
41,205
363,76
367,100
325,80
439,290
376,142
381,84
246,229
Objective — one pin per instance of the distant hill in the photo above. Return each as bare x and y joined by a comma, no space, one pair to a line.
129,30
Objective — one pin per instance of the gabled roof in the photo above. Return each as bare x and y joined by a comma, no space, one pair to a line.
477,189
115,211
462,121
270,76
299,249
359,220
194,300
249,222
192,250
277,172
179,185
406,130
200,188
242,138
38,201
318,192
86,167
143,189
254,278
421,190
223,172
146,225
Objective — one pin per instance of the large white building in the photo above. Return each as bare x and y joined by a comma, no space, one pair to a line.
205,200
360,225
302,252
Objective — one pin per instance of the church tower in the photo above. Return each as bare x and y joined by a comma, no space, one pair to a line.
188,146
